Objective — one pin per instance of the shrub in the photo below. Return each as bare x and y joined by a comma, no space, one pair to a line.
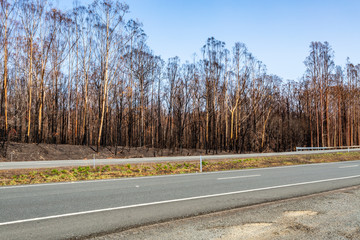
106,168
81,169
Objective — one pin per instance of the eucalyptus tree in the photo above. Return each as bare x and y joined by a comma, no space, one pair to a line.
213,63
319,66
143,65
352,77
31,13
338,91
237,81
255,98
193,107
7,24
172,76
84,29
327,71
49,29
158,77
108,19
182,91
60,50
155,78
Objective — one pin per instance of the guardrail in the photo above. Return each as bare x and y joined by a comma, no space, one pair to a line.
324,148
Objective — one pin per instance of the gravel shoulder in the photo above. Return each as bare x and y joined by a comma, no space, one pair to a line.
330,215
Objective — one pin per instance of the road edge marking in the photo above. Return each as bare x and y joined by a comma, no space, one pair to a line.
246,176
349,166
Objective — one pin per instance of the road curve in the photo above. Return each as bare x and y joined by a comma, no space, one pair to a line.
79,209
70,163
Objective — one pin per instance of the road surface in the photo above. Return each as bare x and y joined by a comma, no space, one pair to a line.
71,163
79,209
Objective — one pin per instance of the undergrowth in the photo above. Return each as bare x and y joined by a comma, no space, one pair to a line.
31,176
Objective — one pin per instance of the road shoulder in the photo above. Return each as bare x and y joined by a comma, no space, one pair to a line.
330,215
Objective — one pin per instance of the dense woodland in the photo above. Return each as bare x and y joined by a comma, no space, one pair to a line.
88,77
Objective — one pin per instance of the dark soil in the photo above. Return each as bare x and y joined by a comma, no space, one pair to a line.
42,152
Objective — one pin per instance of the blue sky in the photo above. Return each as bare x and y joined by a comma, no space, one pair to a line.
277,32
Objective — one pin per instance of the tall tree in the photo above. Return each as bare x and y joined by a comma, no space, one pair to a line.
7,10
109,21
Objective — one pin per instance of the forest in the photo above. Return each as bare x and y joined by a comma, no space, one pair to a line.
88,77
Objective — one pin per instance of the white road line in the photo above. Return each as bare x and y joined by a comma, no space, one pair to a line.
37,185
351,166
173,200
249,176
43,163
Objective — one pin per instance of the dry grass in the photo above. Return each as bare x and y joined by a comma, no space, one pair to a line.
34,176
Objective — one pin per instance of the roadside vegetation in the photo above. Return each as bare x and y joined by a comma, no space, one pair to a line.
49,175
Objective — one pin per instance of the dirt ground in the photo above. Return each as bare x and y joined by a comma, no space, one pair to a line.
38,152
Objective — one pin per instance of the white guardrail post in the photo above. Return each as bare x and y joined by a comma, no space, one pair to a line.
200,164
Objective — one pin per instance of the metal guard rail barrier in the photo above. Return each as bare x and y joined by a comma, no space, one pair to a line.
324,148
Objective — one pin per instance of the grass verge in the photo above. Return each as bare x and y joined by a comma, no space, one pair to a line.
34,176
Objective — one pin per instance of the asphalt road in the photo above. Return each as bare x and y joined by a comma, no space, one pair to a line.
80,209
70,163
